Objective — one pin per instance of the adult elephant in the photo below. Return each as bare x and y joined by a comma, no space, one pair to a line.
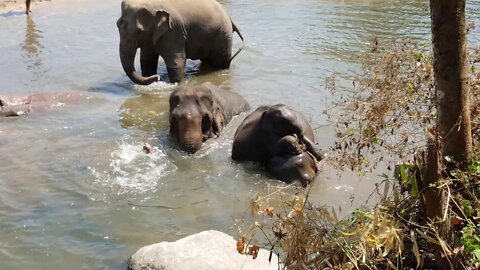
176,30
281,139
200,112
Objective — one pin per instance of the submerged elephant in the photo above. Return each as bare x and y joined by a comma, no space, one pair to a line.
277,137
17,105
176,30
200,112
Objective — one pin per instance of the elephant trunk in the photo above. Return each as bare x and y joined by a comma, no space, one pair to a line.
190,136
127,56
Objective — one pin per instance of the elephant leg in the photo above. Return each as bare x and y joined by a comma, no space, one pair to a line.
312,148
176,67
148,62
220,60
287,145
220,55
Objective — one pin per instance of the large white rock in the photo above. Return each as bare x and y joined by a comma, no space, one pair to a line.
206,250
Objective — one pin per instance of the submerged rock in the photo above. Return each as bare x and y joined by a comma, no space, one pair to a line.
201,251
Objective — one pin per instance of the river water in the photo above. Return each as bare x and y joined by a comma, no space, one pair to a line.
76,190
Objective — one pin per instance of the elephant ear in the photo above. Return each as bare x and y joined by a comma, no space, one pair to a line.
163,22
218,121
266,122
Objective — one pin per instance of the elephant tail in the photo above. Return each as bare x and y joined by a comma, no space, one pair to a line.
236,29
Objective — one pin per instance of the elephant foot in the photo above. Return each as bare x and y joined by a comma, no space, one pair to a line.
289,145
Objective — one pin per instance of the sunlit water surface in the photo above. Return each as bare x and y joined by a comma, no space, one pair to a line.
76,190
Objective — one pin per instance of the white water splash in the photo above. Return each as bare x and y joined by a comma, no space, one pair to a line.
156,87
132,170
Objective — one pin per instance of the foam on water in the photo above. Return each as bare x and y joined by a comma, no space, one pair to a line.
160,86
131,170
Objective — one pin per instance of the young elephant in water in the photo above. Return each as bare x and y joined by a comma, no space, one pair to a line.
281,139
200,112
288,168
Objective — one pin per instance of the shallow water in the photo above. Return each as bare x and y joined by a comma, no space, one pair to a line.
76,190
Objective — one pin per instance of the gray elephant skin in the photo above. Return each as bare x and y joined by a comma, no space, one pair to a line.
200,112
281,139
176,30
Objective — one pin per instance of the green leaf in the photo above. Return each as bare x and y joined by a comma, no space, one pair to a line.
409,88
384,176
418,56
414,187
403,173
476,252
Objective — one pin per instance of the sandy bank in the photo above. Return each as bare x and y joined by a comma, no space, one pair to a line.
18,5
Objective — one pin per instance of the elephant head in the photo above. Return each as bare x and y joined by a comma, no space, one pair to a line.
195,116
141,25
289,168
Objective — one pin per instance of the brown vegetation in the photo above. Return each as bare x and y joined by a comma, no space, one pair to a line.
390,112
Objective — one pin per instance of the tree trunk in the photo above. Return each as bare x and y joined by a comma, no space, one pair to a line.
450,69
453,111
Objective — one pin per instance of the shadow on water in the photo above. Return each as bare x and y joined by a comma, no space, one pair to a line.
12,13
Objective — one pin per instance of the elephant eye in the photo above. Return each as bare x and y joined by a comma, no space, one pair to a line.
174,101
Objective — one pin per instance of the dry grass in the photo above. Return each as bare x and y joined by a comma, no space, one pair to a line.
389,112
391,108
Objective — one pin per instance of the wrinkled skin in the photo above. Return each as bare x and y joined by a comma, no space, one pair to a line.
17,105
281,139
301,168
200,112
176,30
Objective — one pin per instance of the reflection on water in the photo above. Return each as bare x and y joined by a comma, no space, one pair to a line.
73,182
33,47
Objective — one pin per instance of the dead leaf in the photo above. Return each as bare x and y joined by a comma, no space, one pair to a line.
456,220
241,245
253,250
269,211
416,251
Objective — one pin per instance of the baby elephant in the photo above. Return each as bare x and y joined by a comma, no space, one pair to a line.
288,168
200,112
281,139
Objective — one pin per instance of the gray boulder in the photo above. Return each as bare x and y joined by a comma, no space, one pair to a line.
206,250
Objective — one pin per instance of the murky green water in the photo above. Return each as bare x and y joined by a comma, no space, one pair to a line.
72,179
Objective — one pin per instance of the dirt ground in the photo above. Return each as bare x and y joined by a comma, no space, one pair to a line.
18,5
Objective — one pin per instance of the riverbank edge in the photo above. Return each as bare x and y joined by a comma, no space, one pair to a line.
19,5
